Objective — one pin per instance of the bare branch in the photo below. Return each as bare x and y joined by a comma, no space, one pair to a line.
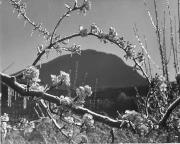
61,18
172,40
169,111
159,38
9,66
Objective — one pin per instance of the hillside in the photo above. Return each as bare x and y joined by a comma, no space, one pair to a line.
108,69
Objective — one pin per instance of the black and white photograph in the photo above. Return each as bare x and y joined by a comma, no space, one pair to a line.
89,71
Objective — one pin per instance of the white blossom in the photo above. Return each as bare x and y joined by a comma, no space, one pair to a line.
74,49
140,57
162,78
5,117
87,117
55,79
112,33
65,100
84,91
88,120
86,6
37,87
65,78
69,119
62,77
87,90
163,87
32,74
94,29
68,132
83,31
130,53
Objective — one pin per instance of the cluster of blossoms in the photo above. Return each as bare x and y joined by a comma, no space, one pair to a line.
61,78
4,126
83,31
95,29
159,82
162,84
82,92
112,36
88,120
5,118
86,6
130,52
140,57
99,32
112,33
26,126
73,49
39,27
68,132
65,100
86,123
69,119
20,7
39,49
37,87
31,74
137,121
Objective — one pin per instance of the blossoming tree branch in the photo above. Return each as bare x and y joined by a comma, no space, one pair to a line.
156,107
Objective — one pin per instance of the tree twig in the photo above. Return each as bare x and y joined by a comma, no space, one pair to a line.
159,38
9,66
62,17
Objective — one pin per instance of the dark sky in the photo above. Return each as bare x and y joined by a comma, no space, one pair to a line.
17,45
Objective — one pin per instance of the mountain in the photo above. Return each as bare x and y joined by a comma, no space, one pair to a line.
93,68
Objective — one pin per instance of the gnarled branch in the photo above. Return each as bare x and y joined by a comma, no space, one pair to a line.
11,82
